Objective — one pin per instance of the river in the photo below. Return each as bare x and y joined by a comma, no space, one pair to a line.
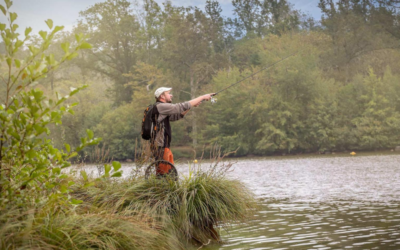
322,202
336,202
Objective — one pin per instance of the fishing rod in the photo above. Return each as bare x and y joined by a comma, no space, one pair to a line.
214,100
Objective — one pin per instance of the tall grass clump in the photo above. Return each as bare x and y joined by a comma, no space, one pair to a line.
193,208
81,231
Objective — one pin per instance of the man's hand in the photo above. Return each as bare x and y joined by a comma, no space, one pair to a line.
208,96
196,102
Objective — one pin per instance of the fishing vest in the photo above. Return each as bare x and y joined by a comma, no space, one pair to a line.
162,133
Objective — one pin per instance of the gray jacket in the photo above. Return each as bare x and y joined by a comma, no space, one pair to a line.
174,113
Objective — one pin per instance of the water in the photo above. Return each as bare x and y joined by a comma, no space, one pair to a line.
336,202
320,203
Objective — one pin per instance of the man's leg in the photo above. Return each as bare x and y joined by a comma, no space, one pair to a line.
165,168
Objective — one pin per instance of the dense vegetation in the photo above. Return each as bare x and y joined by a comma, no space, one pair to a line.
339,92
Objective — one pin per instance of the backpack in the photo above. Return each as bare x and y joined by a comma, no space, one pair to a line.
148,122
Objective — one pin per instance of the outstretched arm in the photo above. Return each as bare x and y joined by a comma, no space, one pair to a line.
197,101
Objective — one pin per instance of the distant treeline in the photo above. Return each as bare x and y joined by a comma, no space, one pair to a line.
341,91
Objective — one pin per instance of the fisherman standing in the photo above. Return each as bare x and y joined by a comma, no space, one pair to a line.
164,113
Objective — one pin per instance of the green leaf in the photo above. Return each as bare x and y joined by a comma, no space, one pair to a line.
56,171
72,56
13,16
43,34
78,37
89,133
65,47
17,63
2,26
68,147
107,169
116,165
49,23
76,202
73,155
8,61
27,31
63,189
85,45
84,175
31,153
57,29
14,27
3,9
8,3
116,174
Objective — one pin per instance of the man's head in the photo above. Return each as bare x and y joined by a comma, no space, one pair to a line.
163,94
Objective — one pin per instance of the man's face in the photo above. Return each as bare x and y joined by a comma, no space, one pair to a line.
167,96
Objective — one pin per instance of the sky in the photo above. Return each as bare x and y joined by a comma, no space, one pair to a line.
33,13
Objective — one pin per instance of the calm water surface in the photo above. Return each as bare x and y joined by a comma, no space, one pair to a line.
320,203
337,202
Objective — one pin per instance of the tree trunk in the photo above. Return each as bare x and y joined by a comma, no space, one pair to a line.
193,87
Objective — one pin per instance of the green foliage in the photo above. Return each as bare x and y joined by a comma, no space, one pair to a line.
30,166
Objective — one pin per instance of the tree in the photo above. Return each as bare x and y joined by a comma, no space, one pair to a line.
30,166
188,49
359,33
255,17
115,34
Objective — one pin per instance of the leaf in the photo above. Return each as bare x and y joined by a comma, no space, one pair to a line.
116,165
49,23
84,175
107,169
43,34
3,9
57,29
65,47
117,174
8,3
63,189
13,16
72,56
2,26
15,27
68,147
78,37
56,171
17,63
85,45
89,133
73,155
31,153
27,31
76,202
8,61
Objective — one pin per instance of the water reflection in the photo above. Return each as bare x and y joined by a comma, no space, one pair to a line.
320,203
286,225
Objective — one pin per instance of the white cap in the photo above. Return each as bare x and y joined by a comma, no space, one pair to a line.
161,90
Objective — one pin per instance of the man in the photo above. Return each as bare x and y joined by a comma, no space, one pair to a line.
164,113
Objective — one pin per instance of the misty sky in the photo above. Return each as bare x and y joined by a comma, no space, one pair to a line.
32,13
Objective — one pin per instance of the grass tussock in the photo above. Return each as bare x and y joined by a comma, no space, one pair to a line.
133,213
193,208
81,231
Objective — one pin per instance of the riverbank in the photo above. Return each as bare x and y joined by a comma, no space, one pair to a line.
132,213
